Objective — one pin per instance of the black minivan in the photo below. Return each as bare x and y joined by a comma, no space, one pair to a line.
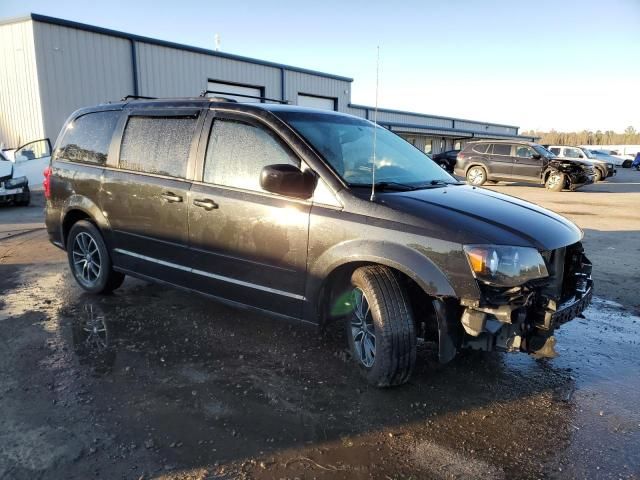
296,212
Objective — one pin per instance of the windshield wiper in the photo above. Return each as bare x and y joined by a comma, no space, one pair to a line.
444,182
397,186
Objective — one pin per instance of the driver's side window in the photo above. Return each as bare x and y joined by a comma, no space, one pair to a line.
523,151
237,152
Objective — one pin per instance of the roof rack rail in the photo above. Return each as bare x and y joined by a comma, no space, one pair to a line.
137,97
217,92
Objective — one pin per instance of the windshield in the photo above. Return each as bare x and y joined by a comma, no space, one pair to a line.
543,151
588,153
3,158
346,143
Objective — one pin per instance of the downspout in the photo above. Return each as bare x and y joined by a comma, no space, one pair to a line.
283,84
134,67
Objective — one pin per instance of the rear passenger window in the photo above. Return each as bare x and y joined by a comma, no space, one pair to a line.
238,151
501,149
87,138
555,151
158,145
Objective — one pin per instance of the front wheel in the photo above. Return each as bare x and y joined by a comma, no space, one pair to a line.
598,176
476,176
555,181
381,329
89,259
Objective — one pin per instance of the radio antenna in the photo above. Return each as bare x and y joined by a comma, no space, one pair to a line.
375,128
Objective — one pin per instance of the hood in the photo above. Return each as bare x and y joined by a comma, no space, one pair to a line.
470,215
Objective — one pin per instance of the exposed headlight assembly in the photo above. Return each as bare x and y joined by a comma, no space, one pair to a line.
16,183
505,266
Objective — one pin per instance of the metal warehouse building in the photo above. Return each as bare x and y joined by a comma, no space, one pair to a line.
51,67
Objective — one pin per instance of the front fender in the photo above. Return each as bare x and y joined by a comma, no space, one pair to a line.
411,262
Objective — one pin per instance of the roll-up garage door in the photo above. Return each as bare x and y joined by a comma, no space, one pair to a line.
230,89
324,103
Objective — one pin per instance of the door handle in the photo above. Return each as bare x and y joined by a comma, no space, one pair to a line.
171,197
206,204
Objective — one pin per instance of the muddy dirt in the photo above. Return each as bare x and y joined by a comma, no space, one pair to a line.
152,382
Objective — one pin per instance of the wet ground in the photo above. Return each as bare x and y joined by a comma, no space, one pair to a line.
151,382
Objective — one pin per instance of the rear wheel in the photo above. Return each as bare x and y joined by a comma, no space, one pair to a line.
627,164
89,259
555,181
380,328
476,176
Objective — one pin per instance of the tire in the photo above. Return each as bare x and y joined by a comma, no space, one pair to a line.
627,164
444,166
24,198
476,176
96,274
555,181
599,176
387,324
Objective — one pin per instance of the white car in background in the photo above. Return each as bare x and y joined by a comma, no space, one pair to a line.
21,168
623,161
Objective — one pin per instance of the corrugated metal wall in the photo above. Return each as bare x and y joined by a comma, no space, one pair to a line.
170,72
479,126
20,115
78,68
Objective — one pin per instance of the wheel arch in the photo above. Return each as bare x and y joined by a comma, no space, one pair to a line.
332,271
79,208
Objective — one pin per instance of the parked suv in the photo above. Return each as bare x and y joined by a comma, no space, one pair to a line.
602,169
520,161
273,207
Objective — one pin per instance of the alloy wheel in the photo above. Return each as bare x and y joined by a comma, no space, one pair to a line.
87,261
475,176
362,329
554,180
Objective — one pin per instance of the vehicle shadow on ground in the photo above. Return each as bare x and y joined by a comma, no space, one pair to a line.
227,384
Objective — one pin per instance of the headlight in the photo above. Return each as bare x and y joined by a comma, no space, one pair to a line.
15,183
505,266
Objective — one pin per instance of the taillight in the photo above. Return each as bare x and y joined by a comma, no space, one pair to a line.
46,183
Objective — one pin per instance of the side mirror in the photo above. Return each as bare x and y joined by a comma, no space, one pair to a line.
536,156
580,155
288,180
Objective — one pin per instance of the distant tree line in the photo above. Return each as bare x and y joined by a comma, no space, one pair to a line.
586,137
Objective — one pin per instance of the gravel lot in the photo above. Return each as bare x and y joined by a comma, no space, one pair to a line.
187,388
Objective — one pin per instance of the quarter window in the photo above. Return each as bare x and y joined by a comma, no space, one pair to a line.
238,151
158,145
501,149
87,138
481,147
555,150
